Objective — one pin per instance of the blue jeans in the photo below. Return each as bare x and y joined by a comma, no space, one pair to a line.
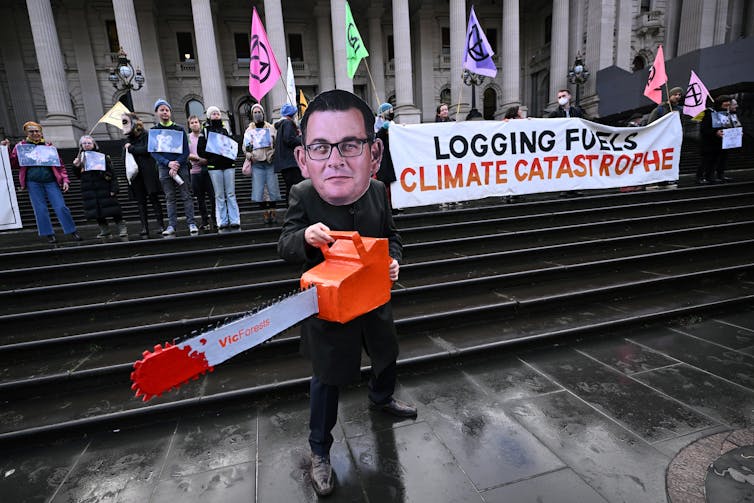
170,188
40,194
226,206
263,173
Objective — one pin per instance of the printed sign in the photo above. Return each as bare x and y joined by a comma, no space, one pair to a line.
166,141
732,137
10,215
257,138
222,145
94,161
37,155
461,161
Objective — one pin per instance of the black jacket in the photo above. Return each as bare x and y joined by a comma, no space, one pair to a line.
574,111
148,177
335,348
288,138
214,161
96,187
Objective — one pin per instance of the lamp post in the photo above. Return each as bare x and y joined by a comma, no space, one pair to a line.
124,78
473,80
578,74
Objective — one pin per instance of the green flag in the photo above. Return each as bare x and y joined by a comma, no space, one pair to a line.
355,49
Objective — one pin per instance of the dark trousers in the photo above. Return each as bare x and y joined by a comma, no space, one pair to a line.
291,176
323,406
201,185
713,165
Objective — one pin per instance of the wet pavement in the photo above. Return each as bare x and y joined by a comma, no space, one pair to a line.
653,414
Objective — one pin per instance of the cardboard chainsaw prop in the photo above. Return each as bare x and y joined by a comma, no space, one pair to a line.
353,280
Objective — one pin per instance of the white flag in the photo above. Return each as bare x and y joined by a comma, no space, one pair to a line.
290,85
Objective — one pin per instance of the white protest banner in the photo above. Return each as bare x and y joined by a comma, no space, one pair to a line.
732,137
461,161
10,215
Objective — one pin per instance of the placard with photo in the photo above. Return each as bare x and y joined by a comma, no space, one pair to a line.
222,145
257,138
37,155
166,141
94,161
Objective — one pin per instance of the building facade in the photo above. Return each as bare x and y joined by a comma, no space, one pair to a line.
56,56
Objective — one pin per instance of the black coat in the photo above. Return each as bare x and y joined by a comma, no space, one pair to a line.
147,178
288,138
96,190
214,161
335,348
574,111
386,173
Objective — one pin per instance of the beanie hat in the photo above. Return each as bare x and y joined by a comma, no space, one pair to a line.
676,90
288,110
212,109
384,108
160,102
255,106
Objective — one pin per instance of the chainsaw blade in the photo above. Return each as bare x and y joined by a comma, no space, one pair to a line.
175,364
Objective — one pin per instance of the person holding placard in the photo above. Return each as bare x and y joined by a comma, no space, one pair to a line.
41,171
259,144
221,169
145,185
715,124
168,144
99,187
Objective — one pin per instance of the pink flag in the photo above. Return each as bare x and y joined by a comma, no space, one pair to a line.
657,77
695,100
264,71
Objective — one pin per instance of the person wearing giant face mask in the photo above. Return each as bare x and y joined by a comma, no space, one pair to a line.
259,145
565,109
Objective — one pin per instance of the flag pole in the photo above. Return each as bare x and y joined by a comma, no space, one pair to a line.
460,92
374,88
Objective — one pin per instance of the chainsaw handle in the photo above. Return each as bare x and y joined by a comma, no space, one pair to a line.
348,235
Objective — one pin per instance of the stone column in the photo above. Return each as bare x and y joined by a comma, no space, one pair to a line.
459,92
324,47
623,24
59,122
338,20
698,27
599,50
273,14
425,67
405,111
89,84
376,56
736,20
130,41
672,25
154,69
749,31
576,35
211,72
721,22
559,47
511,56
13,22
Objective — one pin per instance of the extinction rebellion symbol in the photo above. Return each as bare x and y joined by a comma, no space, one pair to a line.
260,54
477,50
694,94
353,40
651,74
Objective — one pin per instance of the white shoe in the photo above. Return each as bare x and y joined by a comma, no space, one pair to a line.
193,229
169,231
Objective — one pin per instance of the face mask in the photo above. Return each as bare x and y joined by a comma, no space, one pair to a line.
258,116
389,116
563,101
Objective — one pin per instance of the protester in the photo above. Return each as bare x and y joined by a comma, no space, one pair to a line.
146,184
512,112
340,194
714,156
674,104
222,171
442,113
565,109
288,138
386,173
259,154
201,183
174,172
99,188
44,184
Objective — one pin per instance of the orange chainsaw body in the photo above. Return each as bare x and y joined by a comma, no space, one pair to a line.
354,278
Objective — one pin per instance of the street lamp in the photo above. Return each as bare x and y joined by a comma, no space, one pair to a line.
578,74
473,80
124,78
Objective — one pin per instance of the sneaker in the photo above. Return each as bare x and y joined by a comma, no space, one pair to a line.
321,475
52,239
75,236
123,230
169,231
193,229
235,227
